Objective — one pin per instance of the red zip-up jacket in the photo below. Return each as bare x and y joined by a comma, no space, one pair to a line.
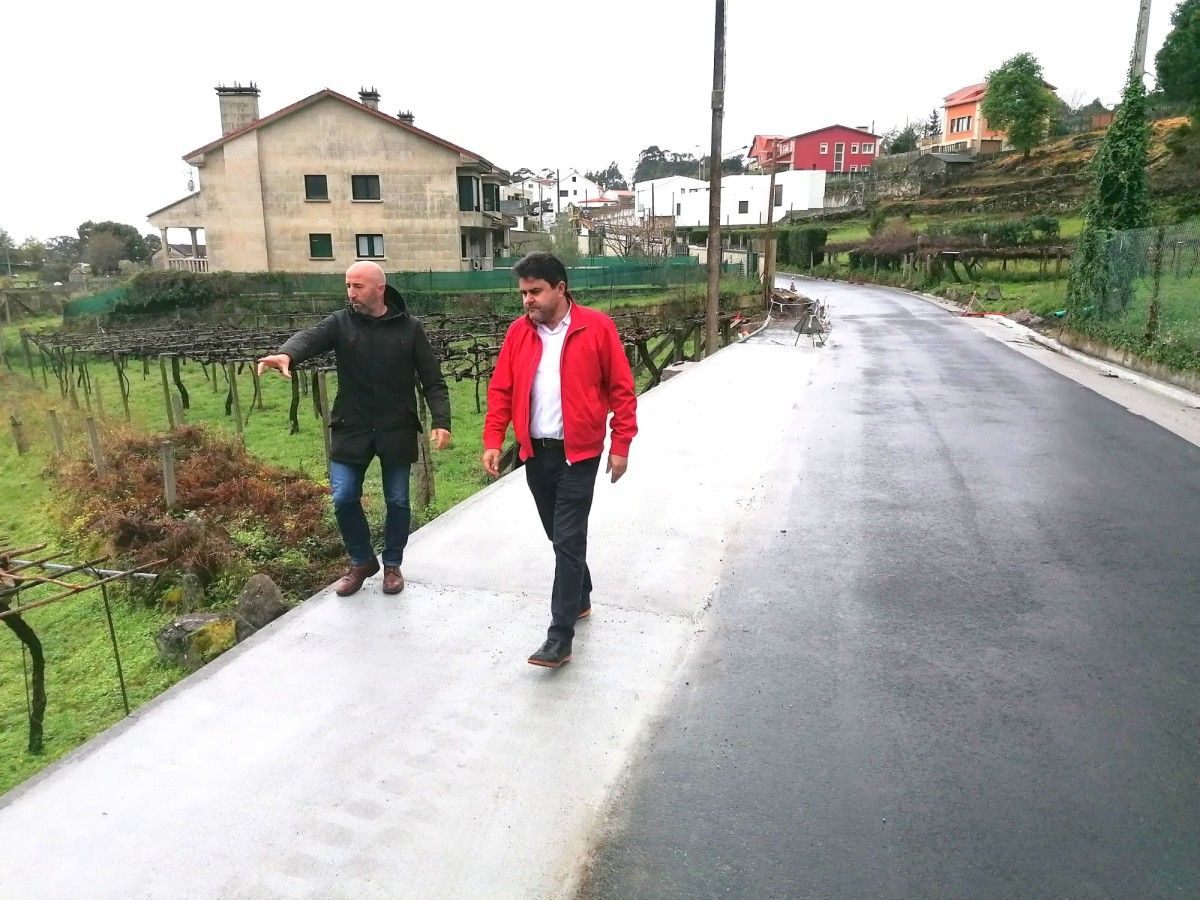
596,379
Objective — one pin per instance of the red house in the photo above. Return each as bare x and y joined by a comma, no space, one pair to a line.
835,148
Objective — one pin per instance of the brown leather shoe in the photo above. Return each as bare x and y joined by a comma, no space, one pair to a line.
353,579
393,580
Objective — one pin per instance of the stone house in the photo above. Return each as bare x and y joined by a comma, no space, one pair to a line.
327,181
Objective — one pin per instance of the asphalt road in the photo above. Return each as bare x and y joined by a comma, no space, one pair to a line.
962,658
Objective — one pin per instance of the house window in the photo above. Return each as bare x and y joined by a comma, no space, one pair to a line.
678,208
468,194
779,195
491,197
962,123
370,246
563,193
743,206
316,187
364,187
854,168
839,157
320,246
824,149
868,148
572,179
854,148
463,240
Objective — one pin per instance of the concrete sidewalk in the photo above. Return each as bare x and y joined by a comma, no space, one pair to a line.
400,746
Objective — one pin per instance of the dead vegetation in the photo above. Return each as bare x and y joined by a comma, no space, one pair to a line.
233,516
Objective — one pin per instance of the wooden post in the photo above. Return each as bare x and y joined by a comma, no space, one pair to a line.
166,386
99,399
231,371
1155,285
56,432
18,430
323,387
94,442
168,467
24,346
177,408
425,489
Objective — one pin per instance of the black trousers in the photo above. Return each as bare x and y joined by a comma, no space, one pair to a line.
563,494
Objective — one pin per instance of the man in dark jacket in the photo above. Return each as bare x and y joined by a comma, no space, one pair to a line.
381,351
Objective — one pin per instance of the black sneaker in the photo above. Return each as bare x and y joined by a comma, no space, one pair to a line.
552,654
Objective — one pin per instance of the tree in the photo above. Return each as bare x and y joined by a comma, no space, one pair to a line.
1101,278
104,252
33,253
654,162
565,237
153,243
610,179
1178,62
1019,103
900,140
933,125
134,244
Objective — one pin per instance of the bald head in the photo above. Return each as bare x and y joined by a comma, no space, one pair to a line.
365,286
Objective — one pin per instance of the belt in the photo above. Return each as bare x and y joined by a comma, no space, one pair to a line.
547,443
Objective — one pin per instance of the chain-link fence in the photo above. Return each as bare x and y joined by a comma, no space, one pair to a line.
1140,291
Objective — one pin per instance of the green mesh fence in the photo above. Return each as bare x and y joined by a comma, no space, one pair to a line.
1143,293
609,273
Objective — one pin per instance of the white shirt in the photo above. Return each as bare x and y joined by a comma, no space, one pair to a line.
545,415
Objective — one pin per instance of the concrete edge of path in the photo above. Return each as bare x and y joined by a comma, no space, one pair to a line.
1170,391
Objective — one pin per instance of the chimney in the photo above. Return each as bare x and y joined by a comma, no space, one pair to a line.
239,106
369,97
405,116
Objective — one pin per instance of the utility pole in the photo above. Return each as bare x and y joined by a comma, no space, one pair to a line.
712,309
1139,46
769,262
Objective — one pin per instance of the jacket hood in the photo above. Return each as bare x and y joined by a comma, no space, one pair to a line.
395,302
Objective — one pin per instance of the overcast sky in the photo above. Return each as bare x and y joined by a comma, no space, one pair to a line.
102,100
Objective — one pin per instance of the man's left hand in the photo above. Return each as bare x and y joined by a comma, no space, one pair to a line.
617,465
440,438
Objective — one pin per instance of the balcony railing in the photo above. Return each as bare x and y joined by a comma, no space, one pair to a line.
188,264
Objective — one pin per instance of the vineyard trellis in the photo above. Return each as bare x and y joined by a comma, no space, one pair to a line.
467,346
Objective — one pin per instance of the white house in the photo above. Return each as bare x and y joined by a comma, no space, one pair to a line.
532,193
664,196
575,190
744,198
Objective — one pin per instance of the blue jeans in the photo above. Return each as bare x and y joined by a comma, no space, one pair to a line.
347,481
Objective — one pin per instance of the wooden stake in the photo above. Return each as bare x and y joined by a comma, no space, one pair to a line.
56,432
18,430
97,452
166,386
323,387
168,467
231,371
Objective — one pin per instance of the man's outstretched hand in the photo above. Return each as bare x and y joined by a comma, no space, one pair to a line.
280,361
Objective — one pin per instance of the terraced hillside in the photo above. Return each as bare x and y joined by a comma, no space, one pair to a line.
1055,179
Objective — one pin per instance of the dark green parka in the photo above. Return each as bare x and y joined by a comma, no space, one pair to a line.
378,363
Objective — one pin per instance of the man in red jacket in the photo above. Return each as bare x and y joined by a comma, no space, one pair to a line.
562,369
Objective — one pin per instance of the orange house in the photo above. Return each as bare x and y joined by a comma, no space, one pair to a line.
964,129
